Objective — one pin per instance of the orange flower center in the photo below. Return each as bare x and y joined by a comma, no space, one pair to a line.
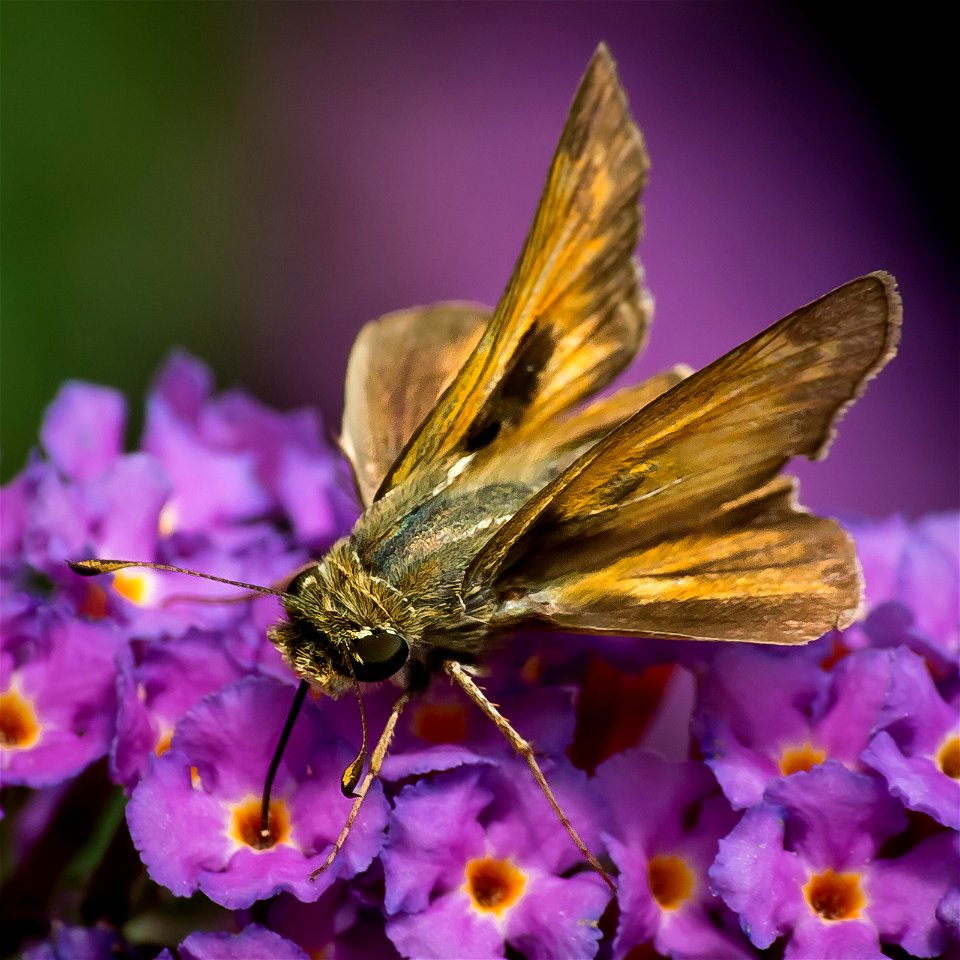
835,896
19,727
948,757
804,757
532,669
671,881
245,823
494,886
441,722
163,743
94,603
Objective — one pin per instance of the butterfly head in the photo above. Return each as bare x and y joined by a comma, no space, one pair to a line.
342,624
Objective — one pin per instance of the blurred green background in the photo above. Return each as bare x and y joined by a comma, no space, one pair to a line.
122,139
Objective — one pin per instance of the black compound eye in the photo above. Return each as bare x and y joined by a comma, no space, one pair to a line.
379,655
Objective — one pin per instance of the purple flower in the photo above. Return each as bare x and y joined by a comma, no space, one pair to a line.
912,576
88,498
753,718
917,749
48,518
57,699
457,852
476,861
78,943
346,923
948,910
86,493
252,943
205,494
252,459
665,821
909,893
195,816
808,863
230,491
442,729
82,431
157,691
762,716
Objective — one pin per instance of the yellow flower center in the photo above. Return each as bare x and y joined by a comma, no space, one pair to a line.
19,727
835,896
804,757
494,886
167,521
671,881
137,586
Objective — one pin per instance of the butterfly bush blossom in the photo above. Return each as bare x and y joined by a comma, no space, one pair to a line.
744,799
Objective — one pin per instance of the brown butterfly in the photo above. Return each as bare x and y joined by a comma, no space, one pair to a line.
493,498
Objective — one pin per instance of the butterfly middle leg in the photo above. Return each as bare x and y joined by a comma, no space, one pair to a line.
456,671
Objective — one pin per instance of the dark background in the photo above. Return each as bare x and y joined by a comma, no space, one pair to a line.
252,182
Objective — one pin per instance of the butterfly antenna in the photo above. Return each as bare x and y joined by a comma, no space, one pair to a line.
351,776
93,568
275,762
376,761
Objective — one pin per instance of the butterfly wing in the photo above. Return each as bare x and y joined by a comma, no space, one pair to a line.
535,455
626,510
574,312
381,409
776,575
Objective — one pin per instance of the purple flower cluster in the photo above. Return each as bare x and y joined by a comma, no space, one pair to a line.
744,799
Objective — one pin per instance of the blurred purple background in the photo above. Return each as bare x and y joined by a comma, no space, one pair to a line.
412,144
394,154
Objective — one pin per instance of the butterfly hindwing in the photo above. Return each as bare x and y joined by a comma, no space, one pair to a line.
779,575
381,409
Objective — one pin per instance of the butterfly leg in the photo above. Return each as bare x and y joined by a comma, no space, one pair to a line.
376,761
457,672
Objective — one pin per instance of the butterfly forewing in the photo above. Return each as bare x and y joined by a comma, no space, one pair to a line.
574,312
711,439
535,455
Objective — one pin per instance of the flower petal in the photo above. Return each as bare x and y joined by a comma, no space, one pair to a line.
82,430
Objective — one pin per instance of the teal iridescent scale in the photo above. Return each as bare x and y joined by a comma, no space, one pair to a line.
444,533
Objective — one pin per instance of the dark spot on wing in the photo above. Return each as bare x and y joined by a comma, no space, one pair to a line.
518,388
